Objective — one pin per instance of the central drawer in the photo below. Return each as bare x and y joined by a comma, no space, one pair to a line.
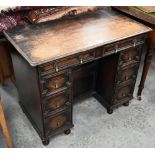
74,60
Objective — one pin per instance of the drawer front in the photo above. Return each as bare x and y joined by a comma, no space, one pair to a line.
46,68
67,62
58,121
108,49
87,56
127,73
75,60
58,101
124,92
51,83
122,45
130,56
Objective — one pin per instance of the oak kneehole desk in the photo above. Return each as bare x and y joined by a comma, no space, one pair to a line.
59,61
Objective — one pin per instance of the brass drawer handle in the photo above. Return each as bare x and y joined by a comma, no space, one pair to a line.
56,68
56,84
57,106
134,42
126,77
58,124
116,48
81,61
123,94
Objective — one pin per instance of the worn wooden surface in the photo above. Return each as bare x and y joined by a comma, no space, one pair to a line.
45,42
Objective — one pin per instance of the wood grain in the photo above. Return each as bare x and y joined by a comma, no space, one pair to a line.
3,124
46,42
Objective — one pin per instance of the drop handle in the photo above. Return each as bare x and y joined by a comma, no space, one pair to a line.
123,94
81,61
57,106
134,42
56,68
126,77
58,124
56,84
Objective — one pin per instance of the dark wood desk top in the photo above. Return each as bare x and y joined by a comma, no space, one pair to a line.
48,41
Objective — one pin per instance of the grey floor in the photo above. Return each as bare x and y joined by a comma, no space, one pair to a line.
132,126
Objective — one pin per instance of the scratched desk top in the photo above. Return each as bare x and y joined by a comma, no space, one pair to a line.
46,42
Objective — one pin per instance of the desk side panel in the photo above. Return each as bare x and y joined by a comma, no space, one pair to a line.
28,89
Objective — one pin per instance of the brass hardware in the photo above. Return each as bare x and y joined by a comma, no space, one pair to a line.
57,105
116,48
123,94
81,61
126,77
56,84
58,124
134,42
56,68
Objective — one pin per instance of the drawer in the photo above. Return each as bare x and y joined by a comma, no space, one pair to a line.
122,45
98,52
124,92
129,56
46,68
58,101
53,82
127,73
109,49
126,43
58,121
87,56
140,39
75,60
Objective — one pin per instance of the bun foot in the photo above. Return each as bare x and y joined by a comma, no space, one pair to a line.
139,98
109,111
45,142
67,132
126,104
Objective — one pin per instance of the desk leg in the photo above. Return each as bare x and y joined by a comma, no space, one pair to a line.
147,63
